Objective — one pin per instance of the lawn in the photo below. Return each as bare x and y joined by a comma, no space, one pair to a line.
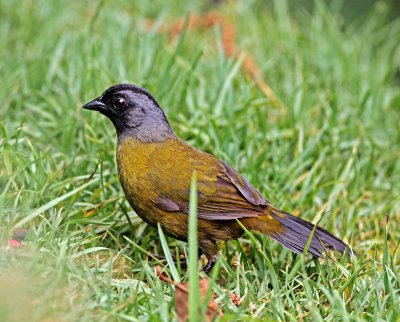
306,105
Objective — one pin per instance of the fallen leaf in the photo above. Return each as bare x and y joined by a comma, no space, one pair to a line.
235,299
182,298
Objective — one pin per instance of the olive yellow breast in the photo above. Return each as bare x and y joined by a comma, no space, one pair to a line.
150,171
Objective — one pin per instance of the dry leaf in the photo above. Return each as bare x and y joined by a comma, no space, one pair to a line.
235,299
182,298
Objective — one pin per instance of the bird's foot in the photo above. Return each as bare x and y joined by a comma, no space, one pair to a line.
182,261
210,264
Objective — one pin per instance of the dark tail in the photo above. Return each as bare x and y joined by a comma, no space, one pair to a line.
297,232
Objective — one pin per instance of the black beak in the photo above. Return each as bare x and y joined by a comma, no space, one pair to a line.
95,105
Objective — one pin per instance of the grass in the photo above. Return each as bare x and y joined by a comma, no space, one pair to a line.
194,290
331,150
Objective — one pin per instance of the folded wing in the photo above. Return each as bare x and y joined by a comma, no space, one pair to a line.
231,197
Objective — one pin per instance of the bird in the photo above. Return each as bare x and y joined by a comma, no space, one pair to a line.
155,169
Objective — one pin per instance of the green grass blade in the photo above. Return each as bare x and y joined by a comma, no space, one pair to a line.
51,204
194,292
271,270
168,256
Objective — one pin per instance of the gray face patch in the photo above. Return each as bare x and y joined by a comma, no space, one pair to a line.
140,118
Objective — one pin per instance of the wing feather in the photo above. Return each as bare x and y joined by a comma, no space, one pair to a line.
232,198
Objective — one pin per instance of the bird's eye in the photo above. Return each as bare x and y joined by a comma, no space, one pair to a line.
119,102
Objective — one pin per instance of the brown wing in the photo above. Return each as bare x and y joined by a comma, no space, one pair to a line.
244,187
234,198
230,197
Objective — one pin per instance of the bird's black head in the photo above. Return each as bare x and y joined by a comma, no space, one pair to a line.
134,112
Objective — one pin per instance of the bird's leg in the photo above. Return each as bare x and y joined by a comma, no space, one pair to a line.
182,261
210,264
209,248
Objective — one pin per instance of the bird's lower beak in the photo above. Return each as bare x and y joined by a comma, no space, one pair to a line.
95,105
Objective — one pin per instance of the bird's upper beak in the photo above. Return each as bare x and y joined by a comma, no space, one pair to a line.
95,105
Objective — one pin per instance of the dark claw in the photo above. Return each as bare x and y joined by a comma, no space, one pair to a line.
211,262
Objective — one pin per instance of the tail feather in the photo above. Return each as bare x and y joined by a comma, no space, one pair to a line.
297,232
